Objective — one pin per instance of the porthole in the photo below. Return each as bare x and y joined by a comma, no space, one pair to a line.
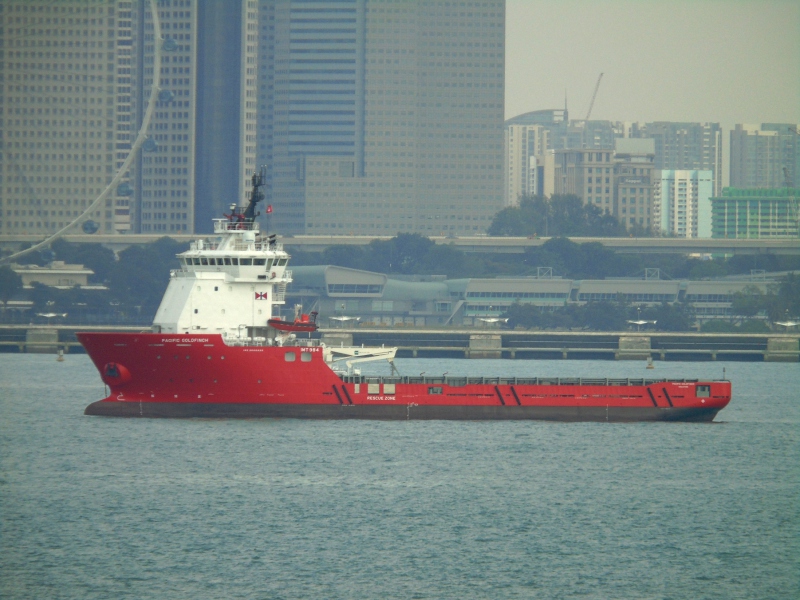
305,356
290,356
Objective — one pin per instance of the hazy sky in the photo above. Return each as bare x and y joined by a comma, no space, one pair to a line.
730,61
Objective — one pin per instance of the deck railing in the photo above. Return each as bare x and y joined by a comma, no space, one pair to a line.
464,381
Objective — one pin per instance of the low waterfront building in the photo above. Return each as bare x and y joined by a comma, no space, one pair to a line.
57,274
344,296
755,213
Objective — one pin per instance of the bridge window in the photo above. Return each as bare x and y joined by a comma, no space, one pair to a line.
245,261
259,262
227,260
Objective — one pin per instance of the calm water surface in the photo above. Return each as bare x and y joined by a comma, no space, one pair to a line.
93,507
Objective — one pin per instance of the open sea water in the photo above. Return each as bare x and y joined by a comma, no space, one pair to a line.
95,507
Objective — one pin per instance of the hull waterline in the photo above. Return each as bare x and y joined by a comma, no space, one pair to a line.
396,412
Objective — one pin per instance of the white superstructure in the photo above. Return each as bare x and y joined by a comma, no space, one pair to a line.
227,285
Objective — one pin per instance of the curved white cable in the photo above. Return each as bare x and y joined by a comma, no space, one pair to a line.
140,138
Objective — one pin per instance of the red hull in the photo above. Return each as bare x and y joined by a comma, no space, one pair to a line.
163,375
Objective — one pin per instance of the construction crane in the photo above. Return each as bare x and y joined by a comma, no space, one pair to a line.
591,104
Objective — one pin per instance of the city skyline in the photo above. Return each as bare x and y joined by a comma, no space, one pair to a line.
648,52
357,181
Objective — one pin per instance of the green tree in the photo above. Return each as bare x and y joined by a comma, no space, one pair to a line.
10,284
668,317
443,260
96,257
343,256
142,273
749,302
560,215
787,300
603,316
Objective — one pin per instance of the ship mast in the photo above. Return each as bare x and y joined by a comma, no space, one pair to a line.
256,196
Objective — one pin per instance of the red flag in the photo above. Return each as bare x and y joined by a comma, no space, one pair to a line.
269,209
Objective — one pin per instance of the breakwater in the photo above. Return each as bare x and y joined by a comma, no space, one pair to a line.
484,343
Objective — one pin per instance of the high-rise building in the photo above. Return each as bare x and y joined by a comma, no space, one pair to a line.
60,66
383,116
765,157
588,174
78,77
525,149
686,146
682,203
756,213
633,181
201,147
227,105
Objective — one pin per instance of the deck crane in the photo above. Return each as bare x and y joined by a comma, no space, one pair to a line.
591,104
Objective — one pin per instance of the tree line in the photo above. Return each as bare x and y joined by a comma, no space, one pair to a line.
560,215
137,277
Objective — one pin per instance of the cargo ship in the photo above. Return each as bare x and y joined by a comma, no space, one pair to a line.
217,349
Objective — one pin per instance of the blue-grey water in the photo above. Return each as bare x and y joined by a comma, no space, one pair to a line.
94,507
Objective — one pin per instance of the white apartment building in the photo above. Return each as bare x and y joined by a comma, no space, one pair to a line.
525,150
682,202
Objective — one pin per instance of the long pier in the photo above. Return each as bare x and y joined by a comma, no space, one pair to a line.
484,343
565,345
